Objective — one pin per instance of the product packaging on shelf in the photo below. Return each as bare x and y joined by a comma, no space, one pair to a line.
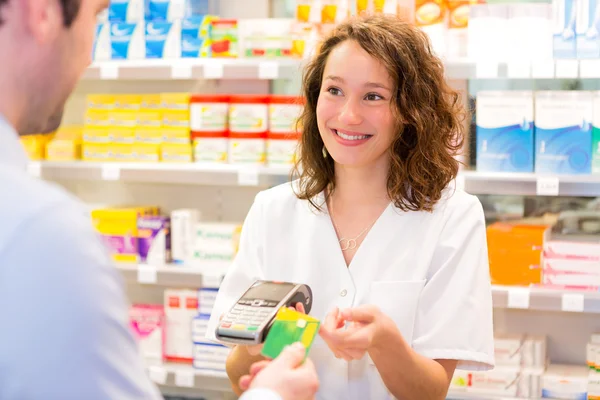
565,382
209,113
195,36
515,350
163,39
206,300
183,234
126,11
101,50
154,239
224,38
270,38
248,126
564,35
215,244
596,134
181,306
165,10
563,132
118,228
127,41
587,25
148,323
145,152
176,152
207,355
65,144
530,32
505,131
430,16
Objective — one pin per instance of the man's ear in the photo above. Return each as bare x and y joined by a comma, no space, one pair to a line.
42,18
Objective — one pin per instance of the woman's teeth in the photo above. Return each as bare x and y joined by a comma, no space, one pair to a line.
351,137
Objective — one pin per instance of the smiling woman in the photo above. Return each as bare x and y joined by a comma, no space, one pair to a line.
380,74
396,257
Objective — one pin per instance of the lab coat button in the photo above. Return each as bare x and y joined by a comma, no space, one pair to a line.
343,293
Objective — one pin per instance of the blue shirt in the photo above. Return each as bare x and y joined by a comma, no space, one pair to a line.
64,314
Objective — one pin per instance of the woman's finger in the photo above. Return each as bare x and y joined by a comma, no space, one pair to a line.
300,308
245,382
258,366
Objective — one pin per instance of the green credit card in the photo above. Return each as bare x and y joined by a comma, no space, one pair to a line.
288,328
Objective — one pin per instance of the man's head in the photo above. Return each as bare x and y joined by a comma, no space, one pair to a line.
46,46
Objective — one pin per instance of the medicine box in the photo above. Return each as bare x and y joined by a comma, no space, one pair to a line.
505,131
563,132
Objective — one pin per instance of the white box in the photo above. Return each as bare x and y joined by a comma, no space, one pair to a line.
567,249
163,39
181,306
247,151
126,11
500,382
199,328
592,355
593,385
565,382
206,300
281,152
535,352
212,150
216,242
564,38
508,350
127,41
588,37
183,228
166,10
561,265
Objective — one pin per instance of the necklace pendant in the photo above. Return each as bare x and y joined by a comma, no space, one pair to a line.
347,244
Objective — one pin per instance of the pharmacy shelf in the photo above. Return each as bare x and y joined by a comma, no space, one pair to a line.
528,184
185,376
514,297
188,173
201,68
169,275
243,175
240,68
477,396
543,299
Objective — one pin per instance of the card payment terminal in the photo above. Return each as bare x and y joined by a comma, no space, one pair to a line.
251,317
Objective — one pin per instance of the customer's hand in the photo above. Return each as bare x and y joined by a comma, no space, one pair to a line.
366,325
287,375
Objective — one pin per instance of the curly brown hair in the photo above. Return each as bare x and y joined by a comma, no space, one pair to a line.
430,131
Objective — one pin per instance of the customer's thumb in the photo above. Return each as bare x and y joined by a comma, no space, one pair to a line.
291,357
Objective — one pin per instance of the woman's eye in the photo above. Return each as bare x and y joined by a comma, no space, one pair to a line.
373,97
334,91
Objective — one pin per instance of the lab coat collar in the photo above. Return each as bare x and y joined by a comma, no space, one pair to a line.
12,153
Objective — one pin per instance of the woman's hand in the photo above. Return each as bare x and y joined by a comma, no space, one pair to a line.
352,333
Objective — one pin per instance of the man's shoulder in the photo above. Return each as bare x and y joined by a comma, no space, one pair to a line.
25,198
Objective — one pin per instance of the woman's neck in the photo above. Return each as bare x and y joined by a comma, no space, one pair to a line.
360,186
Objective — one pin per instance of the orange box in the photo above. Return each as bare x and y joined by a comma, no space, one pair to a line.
515,251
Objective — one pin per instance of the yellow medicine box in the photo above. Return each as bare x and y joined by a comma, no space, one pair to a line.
181,153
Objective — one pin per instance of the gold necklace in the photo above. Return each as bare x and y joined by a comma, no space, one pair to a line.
348,244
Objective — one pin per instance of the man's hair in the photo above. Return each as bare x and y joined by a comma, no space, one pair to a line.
429,115
70,10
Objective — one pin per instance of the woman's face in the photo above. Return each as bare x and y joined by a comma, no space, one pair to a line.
354,112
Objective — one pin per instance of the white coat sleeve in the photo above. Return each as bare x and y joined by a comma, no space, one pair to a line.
454,317
245,269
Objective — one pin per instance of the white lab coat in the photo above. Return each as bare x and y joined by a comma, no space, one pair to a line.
428,271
